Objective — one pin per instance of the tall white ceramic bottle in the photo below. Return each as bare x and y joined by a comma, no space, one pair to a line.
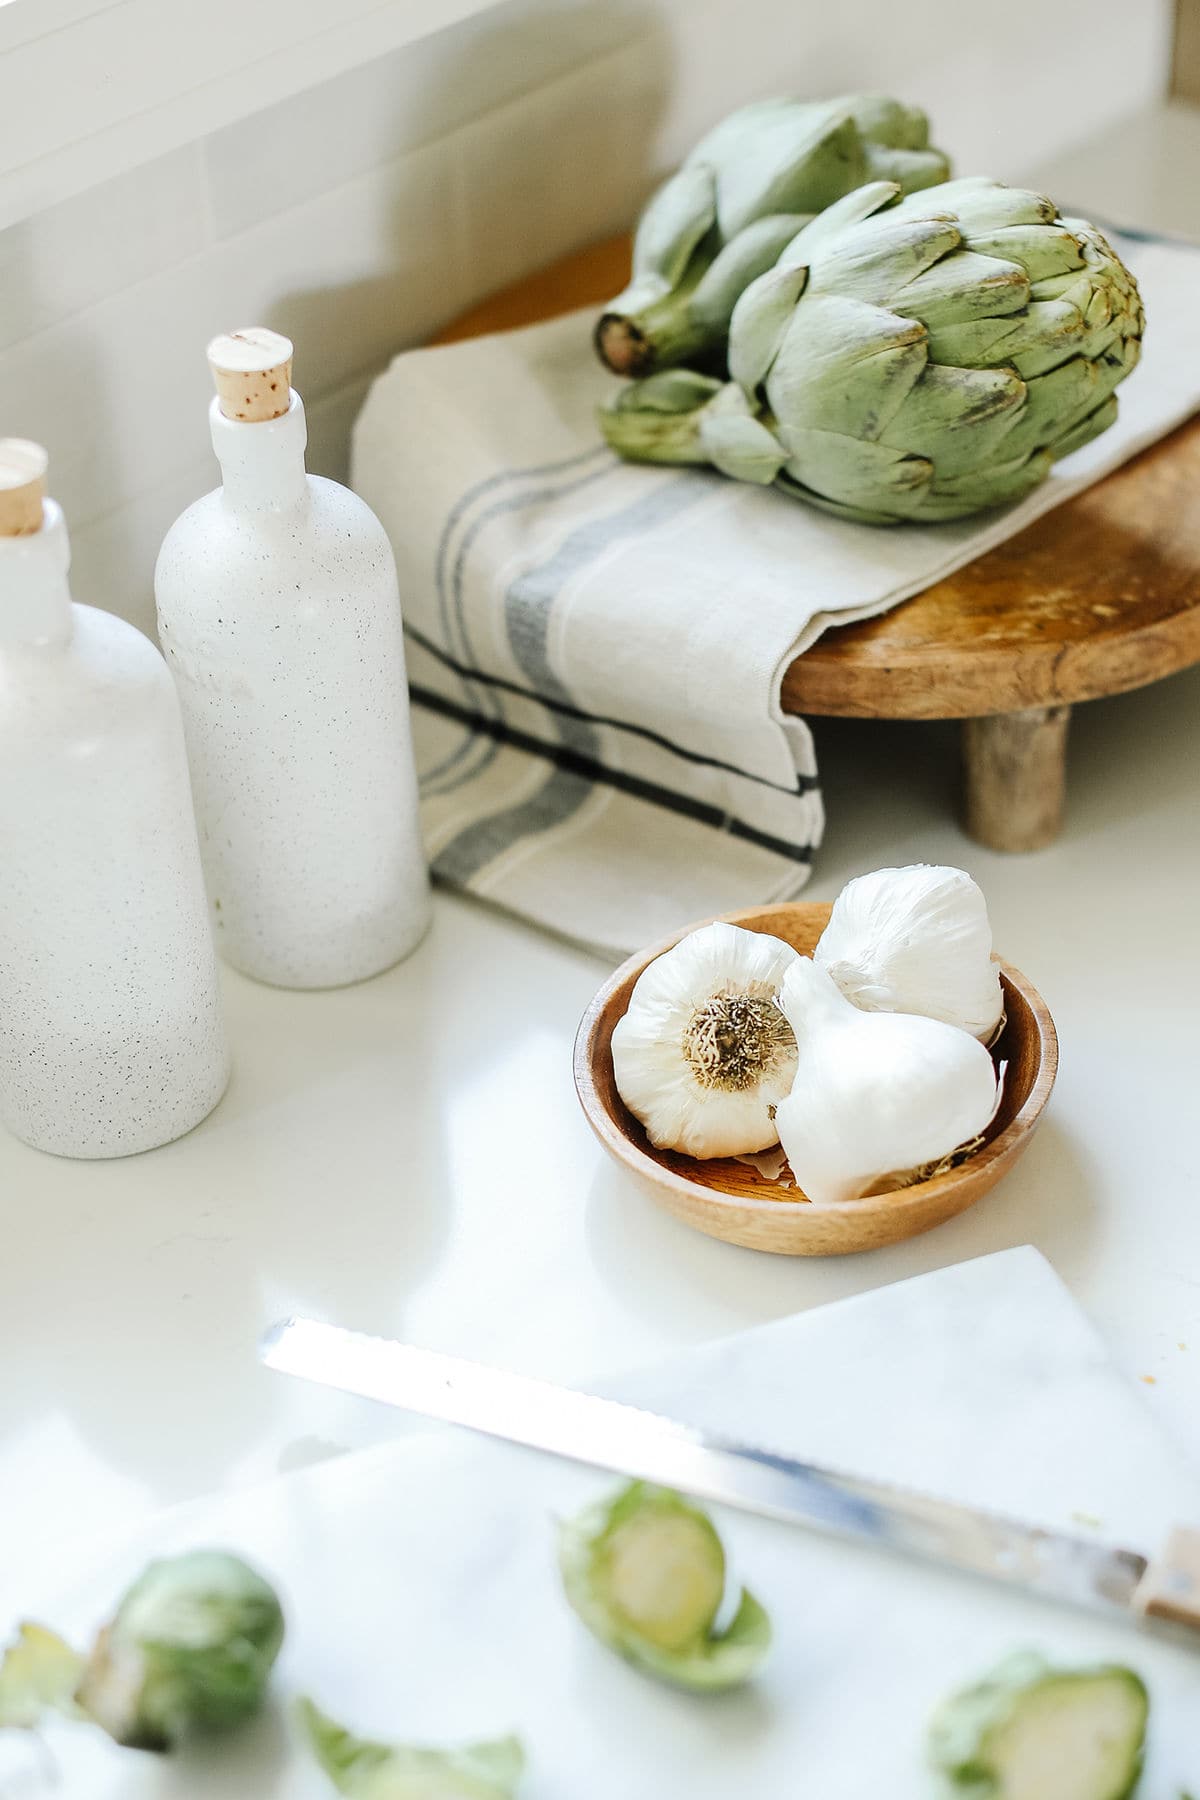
279,616
111,1038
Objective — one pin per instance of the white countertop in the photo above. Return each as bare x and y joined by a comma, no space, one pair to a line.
408,1157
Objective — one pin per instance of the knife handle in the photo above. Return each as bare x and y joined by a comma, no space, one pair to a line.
1170,1588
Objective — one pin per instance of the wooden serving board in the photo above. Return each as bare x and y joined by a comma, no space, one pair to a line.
1098,596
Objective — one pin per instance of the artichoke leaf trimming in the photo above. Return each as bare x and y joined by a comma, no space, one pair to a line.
365,1769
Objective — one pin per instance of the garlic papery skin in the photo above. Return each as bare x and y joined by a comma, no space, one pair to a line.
875,1094
704,1053
916,940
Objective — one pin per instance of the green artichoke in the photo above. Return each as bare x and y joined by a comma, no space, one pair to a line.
365,1770
191,1645
907,358
645,1571
741,196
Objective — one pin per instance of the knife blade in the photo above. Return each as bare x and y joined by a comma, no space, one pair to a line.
626,1440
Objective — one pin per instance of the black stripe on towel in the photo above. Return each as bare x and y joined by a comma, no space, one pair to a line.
804,784
576,764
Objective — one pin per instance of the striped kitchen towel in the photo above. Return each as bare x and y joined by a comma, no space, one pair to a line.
596,650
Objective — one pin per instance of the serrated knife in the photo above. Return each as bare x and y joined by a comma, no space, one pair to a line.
1161,1593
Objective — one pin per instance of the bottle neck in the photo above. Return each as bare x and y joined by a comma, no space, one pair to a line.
262,463
35,597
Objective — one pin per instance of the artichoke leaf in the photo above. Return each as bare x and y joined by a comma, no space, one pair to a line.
844,367
39,1674
980,204
828,226
959,418
760,319
1043,251
883,120
913,169
998,484
874,260
366,1770
679,215
857,473
962,287
750,254
741,446
670,391
798,160
1092,425
1036,339
838,509
1056,401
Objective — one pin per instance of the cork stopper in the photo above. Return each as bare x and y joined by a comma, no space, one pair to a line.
23,468
252,370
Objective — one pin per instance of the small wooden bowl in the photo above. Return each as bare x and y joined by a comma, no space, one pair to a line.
729,1199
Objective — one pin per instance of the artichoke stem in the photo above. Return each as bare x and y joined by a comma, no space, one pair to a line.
660,336
642,435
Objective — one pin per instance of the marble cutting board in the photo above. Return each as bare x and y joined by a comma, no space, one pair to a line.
423,1602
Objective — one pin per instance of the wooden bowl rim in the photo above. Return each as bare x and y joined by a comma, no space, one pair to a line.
916,1198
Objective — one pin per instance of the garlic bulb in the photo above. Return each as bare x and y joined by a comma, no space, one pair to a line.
916,940
704,1053
875,1094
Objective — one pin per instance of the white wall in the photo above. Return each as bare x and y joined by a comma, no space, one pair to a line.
359,216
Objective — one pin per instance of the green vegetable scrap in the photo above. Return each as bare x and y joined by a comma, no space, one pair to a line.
191,1646
1032,1732
371,1771
39,1674
907,358
645,1571
741,196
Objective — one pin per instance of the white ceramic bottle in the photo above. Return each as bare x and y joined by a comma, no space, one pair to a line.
280,619
111,1038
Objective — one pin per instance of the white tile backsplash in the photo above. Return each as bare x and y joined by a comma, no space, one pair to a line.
360,215
370,116
100,243
558,168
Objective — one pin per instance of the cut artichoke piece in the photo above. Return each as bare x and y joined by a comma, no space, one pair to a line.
365,1770
645,1571
191,1646
702,240
928,366
1032,1732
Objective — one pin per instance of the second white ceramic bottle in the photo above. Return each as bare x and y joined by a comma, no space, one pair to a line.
279,617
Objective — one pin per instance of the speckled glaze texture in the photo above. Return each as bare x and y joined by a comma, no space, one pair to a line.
111,1039
280,620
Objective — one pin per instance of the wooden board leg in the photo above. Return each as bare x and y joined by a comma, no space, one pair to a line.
1014,769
